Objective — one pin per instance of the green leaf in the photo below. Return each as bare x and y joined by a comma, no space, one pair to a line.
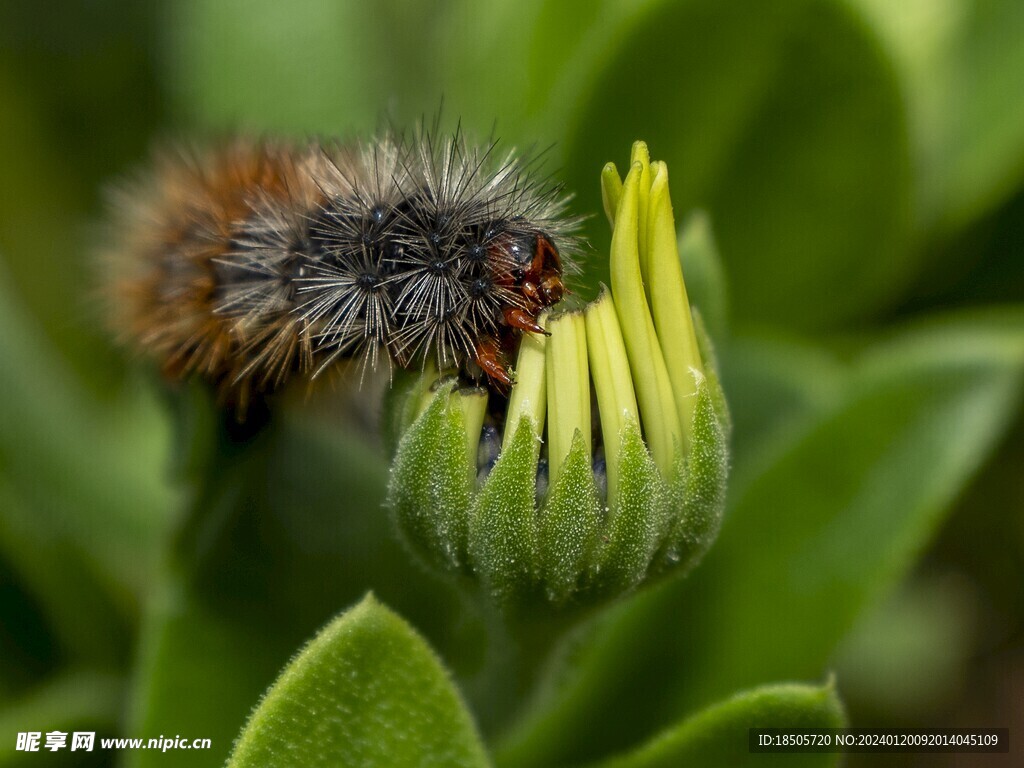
704,273
718,736
279,66
832,520
787,124
778,386
846,510
960,63
46,203
75,699
199,670
90,474
904,659
366,691
78,608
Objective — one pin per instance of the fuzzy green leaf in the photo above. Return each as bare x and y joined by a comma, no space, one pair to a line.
717,736
366,691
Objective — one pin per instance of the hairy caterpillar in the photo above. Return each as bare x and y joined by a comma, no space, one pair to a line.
257,260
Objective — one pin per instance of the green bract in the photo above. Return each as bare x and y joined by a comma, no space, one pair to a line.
577,508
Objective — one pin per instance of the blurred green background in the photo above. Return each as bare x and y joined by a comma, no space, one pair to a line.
861,164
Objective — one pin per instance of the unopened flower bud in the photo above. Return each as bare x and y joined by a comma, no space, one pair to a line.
607,467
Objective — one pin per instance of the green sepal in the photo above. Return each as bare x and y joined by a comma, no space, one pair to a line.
707,354
429,491
401,406
503,521
698,495
569,525
366,691
637,521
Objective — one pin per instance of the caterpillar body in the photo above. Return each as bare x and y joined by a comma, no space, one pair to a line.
256,261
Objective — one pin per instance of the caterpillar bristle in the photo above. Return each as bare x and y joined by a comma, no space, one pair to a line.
258,261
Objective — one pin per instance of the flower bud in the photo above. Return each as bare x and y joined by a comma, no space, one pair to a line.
607,467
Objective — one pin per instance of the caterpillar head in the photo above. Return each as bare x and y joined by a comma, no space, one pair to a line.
539,272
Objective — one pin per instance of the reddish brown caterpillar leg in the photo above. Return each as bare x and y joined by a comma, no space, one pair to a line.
530,292
551,290
489,360
517,318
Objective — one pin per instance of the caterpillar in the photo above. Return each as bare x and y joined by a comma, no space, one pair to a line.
255,261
